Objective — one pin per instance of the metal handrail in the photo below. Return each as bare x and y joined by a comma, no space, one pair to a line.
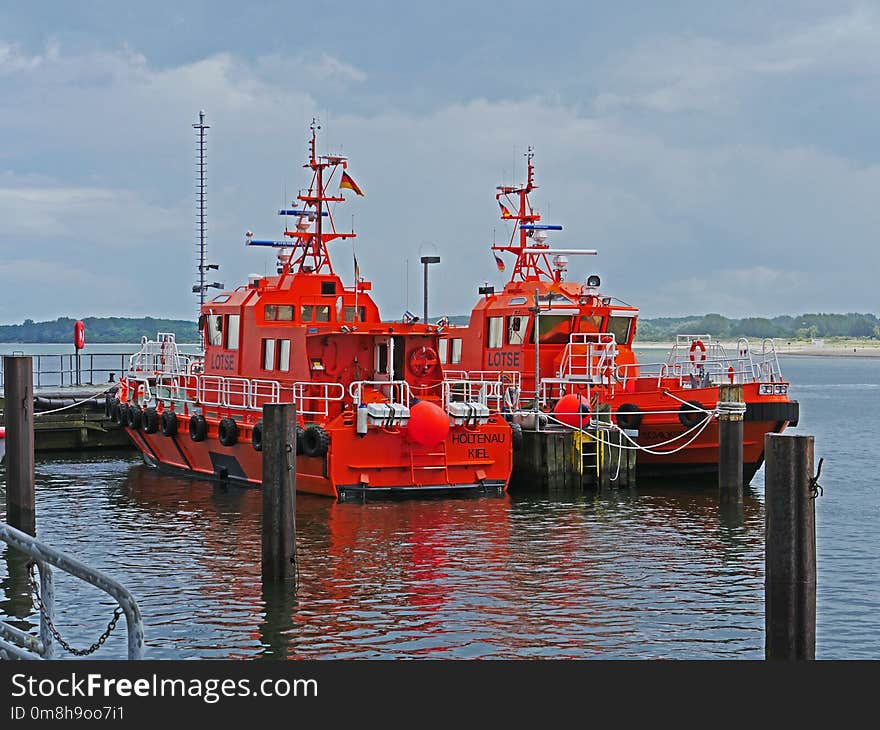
45,555
302,394
399,388
61,369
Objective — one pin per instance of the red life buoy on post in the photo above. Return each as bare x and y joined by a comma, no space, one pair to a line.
698,345
79,334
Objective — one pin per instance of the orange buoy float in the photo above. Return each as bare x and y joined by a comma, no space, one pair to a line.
572,410
428,423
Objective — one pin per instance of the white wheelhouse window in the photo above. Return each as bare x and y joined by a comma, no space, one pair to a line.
496,332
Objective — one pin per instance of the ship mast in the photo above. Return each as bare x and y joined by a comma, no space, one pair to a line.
312,235
527,238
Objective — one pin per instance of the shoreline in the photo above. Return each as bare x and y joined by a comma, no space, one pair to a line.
799,349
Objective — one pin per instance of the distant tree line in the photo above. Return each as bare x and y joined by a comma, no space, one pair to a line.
98,330
804,326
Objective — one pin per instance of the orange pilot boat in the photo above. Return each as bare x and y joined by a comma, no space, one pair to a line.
375,412
583,357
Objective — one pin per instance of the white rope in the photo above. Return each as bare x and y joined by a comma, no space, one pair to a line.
600,425
72,405
693,405
649,449
731,408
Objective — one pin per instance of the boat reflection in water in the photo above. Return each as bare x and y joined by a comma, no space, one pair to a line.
566,575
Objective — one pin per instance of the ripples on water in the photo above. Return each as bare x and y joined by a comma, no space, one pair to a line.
635,573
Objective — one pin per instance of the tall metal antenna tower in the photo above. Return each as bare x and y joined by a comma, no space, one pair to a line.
201,286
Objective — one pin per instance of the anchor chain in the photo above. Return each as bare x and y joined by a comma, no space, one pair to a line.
54,631
816,488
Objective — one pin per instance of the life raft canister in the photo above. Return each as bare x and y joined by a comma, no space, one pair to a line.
695,346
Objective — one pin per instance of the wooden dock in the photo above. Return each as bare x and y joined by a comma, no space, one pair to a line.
60,427
564,458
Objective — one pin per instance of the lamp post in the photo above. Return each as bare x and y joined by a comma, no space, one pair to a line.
425,261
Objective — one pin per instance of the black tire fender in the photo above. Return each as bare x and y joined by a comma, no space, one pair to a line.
691,413
227,432
315,440
629,416
198,427
257,436
151,420
169,423
516,436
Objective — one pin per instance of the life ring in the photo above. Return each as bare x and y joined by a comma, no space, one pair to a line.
315,441
516,436
79,334
134,417
169,423
691,413
423,360
227,431
629,416
151,420
198,427
257,436
698,345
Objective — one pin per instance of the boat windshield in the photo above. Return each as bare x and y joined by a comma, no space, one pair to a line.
554,329
620,327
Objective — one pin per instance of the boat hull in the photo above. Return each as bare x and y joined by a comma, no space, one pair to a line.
678,456
380,464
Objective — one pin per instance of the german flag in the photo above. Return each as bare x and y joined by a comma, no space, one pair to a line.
347,182
505,213
499,262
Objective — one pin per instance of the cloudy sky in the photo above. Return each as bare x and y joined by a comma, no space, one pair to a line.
721,156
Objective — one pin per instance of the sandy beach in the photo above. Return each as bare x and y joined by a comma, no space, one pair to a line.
828,348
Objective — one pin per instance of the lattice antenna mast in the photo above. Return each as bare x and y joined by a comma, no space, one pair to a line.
201,199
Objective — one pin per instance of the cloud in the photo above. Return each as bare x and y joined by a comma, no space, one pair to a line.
680,74
99,178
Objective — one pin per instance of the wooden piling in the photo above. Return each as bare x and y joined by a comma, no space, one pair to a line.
19,415
790,551
279,492
730,442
